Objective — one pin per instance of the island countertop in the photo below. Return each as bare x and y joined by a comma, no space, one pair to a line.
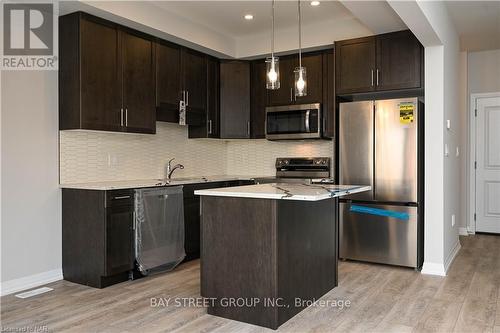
285,191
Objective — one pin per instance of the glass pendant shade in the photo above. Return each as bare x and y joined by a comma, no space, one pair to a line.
272,73
300,74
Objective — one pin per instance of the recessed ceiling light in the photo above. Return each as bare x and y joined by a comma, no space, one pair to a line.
248,17
315,3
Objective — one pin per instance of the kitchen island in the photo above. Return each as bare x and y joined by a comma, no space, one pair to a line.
269,250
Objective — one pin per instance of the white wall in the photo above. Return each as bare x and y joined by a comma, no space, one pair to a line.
484,71
31,202
286,39
480,74
438,16
430,22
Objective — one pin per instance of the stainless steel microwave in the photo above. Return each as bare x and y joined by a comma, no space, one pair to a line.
293,122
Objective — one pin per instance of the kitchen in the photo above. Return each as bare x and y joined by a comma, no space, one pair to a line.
155,135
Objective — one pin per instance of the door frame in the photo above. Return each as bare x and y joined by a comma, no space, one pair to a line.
471,221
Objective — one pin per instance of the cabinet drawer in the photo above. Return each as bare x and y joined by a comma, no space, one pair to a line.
119,197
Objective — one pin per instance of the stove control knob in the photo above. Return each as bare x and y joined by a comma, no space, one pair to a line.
286,162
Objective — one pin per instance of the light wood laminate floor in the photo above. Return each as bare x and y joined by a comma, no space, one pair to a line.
383,299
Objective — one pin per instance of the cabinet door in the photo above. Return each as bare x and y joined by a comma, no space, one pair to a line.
314,70
329,103
212,98
355,65
258,99
399,59
138,84
101,94
235,99
284,95
119,240
195,85
168,82
209,126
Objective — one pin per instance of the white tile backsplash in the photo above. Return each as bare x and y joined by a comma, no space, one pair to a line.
92,156
257,157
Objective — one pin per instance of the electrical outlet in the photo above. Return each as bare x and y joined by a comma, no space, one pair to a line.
452,220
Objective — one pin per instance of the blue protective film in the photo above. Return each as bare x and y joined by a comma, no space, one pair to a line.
380,212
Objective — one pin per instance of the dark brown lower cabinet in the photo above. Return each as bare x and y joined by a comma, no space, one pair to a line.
97,236
269,252
192,214
119,239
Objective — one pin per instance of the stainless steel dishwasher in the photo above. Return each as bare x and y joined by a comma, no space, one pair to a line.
159,228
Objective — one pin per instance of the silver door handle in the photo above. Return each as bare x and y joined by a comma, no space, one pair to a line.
248,128
121,117
126,117
187,97
372,77
377,76
210,127
308,115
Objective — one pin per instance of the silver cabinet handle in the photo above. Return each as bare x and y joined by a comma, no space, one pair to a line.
248,128
122,197
209,126
187,97
377,76
184,96
291,94
126,117
121,117
372,77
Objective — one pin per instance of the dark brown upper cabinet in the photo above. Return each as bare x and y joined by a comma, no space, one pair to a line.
258,99
168,81
209,127
399,61
180,75
234,100
355,65
384,62
106,76
138,74
285,94
313,62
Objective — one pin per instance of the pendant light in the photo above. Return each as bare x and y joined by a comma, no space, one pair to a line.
300,73
272,63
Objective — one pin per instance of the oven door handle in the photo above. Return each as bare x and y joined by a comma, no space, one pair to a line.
308,117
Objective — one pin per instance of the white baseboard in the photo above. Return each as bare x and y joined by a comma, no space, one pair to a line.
431,268
27,282
463,231
441,269
452,255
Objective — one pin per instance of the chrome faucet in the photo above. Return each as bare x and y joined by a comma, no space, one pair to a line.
171,169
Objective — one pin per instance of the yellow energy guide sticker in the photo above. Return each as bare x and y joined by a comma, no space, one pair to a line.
406,111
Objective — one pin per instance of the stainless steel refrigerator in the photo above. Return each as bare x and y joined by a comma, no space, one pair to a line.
380,144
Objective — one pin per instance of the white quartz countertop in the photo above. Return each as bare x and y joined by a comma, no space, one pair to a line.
285,191
116,185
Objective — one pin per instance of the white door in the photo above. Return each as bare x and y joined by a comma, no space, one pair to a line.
488,165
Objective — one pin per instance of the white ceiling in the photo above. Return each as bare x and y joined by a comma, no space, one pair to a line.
226,17
378,16
477,23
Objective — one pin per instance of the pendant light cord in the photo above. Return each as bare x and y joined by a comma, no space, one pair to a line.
272,36
300,36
